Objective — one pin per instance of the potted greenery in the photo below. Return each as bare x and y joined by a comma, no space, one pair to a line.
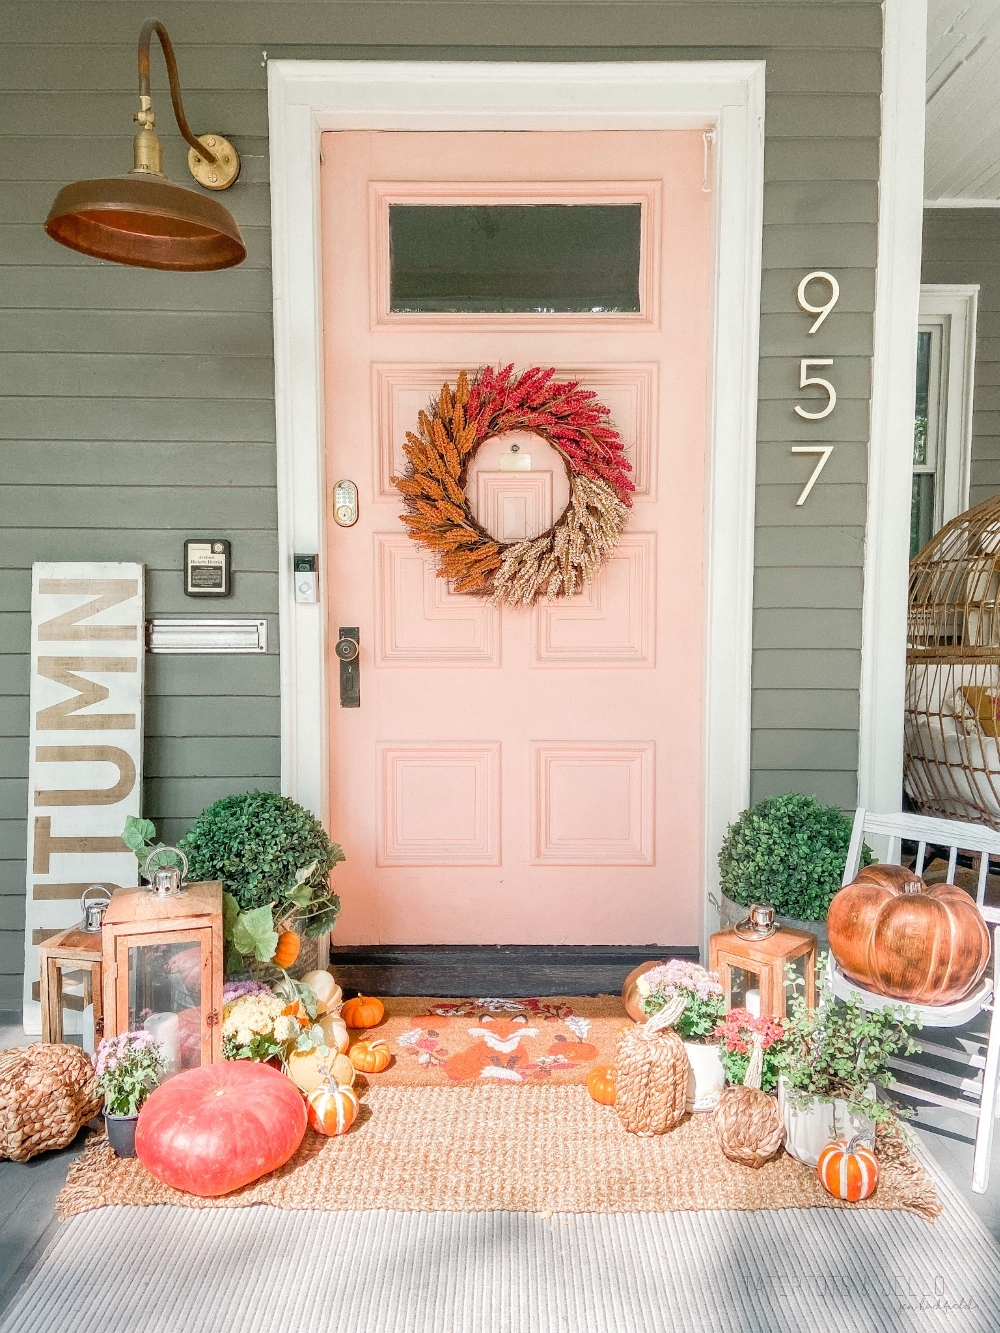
274,860
704,1008
787,850
128,1069
832,1061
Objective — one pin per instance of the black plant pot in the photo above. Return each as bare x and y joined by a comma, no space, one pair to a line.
121,1133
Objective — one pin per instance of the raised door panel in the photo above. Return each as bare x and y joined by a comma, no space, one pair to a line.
593,803
514,506
439,804
612,622
420,621
629,390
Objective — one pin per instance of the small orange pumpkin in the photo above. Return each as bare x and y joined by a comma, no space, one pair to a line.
296,1010
362,1012
288,948
332,1110
370,1056
601,1084
848,1171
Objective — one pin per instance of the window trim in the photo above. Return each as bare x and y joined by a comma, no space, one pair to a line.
953,308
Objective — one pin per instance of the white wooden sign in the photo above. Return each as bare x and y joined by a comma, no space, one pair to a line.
85,744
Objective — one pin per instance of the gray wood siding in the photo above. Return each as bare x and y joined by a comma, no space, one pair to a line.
963,245
137,406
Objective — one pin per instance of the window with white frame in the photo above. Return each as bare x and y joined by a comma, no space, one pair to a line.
942,427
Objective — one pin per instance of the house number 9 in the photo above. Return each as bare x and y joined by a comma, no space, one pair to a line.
820,310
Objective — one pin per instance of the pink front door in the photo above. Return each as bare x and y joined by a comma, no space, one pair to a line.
518,777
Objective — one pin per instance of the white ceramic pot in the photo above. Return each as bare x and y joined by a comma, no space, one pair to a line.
810,1128
706,1077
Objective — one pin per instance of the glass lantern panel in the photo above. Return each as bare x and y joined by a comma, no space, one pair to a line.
795,977
744,989
77,995
164,997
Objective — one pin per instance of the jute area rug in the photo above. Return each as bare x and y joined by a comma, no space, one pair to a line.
540,1150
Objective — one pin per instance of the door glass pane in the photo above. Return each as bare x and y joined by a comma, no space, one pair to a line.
164,997
511,258
921,511
922,500
923,396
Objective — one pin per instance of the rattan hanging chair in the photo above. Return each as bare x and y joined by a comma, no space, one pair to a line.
952,736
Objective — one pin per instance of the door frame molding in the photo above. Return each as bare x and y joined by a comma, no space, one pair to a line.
308,97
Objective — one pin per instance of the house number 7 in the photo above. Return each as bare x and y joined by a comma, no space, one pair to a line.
824,451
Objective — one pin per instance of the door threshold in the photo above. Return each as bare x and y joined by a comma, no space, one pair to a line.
508,971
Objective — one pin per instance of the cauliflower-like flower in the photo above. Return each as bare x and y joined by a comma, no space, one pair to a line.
286,1028
250,1016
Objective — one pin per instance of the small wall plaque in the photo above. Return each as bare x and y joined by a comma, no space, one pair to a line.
208,567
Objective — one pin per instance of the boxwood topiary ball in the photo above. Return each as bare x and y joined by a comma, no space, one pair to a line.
790,851
254,842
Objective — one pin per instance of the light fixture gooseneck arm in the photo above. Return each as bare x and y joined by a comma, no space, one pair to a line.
145,115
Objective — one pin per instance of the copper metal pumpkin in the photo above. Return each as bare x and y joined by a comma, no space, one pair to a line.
631,998
897,936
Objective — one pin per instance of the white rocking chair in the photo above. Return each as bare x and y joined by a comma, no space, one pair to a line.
978,1092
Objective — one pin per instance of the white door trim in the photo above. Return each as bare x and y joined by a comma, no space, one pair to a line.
954,306
307,97
894,378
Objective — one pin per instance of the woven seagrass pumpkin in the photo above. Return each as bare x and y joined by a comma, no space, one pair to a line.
747,1121
651,1073
48,1091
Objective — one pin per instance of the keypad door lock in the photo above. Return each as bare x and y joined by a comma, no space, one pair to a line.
347,649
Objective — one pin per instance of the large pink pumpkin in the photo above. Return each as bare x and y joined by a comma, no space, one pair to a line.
210,1130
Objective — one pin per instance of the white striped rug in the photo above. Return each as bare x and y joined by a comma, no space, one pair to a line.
177,1270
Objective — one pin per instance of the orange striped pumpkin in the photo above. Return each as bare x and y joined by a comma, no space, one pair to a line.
848,1171
332,1110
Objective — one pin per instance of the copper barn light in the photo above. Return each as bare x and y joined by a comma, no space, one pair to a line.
143,219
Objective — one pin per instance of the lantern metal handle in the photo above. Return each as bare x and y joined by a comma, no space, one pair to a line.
93,909
168,886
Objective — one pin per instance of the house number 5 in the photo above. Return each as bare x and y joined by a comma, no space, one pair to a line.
806,380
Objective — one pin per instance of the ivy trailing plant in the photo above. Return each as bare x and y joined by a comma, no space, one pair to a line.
839,1050
790,851
139,836
273,858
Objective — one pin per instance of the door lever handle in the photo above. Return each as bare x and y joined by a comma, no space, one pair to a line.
347,649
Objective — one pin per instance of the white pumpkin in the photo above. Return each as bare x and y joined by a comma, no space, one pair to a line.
329,996
335,1032
308,1069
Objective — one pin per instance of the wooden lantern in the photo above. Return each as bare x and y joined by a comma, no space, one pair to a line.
163,952
74,955
752,972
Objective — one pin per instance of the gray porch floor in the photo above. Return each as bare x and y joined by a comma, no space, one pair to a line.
28,1190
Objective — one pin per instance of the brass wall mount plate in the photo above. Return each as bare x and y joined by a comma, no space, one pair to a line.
221,173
